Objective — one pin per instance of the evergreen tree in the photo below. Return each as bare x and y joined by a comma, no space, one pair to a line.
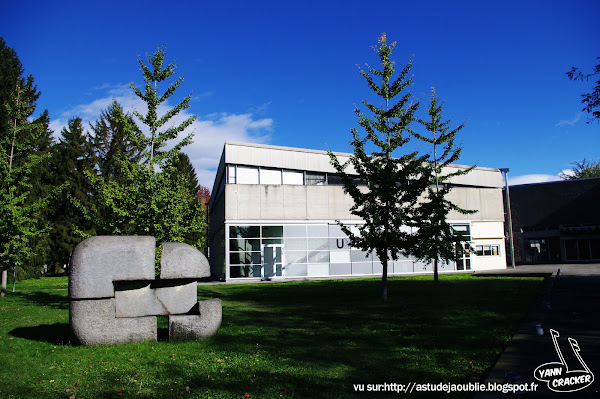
435,238
70,162
393,184
42,186
20,224
109,142
182,166
152,146
180,169
152,199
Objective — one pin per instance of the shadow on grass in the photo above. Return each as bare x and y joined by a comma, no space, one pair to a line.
260,384
41,298
315,340
452,331
57,334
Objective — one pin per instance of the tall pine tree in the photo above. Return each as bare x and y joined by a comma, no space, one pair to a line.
42,186
393,182
152,199
436,239
109,142
21,143
70,160
181,165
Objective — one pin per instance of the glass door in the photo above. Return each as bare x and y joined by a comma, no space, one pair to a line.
272,261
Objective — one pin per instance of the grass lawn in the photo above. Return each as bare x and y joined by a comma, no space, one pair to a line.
289,340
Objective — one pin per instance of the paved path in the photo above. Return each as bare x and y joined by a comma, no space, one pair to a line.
574,312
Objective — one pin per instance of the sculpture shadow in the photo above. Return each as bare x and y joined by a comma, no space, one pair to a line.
57,333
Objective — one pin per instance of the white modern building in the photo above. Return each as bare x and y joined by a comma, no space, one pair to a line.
274,213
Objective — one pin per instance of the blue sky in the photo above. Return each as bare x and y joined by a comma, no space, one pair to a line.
285,73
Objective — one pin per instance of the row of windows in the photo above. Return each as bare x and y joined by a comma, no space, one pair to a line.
238,174
487,250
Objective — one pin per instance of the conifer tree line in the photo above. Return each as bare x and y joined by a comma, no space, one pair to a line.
104,178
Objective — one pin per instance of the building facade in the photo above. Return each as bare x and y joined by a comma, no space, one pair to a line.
556,222
274,213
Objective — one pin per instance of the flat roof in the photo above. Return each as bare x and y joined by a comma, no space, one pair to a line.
323,152
293,158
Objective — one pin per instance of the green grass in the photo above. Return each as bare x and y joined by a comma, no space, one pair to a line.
289,340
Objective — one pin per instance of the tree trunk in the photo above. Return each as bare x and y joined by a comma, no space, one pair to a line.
4,279
435,270
384,279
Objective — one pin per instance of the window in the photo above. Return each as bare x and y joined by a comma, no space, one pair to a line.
293,177
315,179
487,250
334,180
231,177
462,230
244,231
247,175
270,176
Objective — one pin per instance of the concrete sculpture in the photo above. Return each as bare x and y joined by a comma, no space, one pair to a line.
114,297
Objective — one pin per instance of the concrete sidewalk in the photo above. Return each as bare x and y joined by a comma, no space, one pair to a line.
574,301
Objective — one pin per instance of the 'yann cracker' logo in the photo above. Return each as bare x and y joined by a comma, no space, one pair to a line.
557,374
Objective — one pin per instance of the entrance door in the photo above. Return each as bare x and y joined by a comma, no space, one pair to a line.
463,255
272,260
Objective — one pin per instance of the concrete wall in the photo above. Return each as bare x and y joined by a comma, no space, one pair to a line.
281,202
487,202
487,230
488,233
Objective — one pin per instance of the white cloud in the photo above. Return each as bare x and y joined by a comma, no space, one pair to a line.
534,178
572,122
210,131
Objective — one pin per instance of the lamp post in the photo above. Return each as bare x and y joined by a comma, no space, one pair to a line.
510,230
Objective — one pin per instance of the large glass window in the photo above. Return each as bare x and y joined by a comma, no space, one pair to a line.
293,250
293,177
247,175
315,179
462,230
270,176
244,231
244,244
334,180
244,258
272,231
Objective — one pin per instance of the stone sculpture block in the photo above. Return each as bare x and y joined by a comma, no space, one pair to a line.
93,322
98,261
192,327
115,298
182,261
162,301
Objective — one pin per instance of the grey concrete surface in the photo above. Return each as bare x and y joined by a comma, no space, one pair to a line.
573,311
100,260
